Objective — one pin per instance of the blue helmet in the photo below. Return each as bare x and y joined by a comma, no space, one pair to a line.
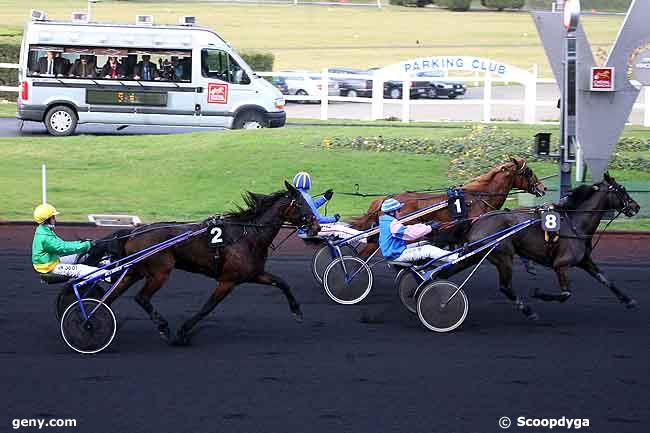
390,205
302,180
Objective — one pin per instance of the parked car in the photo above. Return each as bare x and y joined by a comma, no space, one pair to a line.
352,87
280,83
443,88
308,85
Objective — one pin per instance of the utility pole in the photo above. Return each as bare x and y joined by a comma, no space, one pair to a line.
568,125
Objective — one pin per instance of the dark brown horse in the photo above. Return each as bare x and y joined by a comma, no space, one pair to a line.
581,212
483,194
247,235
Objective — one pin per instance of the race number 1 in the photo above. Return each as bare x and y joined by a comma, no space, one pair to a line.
551,221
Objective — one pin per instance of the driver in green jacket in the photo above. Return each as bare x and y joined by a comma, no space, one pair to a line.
50,253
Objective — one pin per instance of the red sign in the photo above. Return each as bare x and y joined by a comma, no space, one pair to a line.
602,79
217,93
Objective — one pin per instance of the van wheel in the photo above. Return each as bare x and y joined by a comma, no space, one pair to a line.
61,121
301,93
250,120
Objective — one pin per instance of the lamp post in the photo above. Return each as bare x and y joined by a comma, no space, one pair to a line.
568,127
90,2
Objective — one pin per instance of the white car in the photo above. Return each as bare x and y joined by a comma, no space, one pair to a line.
307,84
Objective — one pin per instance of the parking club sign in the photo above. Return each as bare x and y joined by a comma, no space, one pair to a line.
217,93
602,79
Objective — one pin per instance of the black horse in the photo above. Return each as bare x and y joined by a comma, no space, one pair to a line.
581,212
246,236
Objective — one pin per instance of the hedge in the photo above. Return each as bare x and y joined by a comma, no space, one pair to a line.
455,5
259,61
586,5
9,53
503,4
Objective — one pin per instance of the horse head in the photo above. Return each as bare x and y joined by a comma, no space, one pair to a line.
618,197
525,179
299,213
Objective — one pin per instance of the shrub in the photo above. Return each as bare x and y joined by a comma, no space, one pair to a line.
503,4
455,5
259,61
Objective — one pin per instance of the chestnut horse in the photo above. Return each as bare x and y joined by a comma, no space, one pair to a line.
247,235
483,194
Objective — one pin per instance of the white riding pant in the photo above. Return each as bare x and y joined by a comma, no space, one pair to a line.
417,252
68,267
340,231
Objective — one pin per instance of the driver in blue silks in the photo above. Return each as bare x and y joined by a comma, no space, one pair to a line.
330,225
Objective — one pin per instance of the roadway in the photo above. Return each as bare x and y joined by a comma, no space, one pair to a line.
364,368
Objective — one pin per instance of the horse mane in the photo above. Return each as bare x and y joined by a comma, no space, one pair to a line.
255,204
485,178
576,197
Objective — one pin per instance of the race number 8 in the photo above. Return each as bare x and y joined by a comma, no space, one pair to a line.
551,221
216,233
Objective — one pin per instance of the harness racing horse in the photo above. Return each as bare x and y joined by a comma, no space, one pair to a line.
581,212
485,193
247,235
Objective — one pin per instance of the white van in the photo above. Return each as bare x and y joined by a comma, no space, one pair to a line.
121,74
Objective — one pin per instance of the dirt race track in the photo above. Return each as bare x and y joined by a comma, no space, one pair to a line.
359,369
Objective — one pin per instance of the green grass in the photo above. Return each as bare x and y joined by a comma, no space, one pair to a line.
195,175
308,37
7,109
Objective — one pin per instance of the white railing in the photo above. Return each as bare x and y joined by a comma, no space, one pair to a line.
530,103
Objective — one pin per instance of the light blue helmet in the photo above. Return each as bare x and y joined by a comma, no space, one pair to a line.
302,180
390,205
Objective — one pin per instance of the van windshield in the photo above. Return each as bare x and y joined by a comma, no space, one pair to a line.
220,65
109,63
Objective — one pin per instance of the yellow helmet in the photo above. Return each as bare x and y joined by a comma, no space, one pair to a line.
43,212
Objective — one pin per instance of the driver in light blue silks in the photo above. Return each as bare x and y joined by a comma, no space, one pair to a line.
329,224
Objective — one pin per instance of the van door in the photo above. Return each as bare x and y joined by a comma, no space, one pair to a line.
226,87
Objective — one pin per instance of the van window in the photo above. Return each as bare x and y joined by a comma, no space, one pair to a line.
220,65
109,63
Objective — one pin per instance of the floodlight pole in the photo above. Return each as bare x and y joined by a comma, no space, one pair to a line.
568,126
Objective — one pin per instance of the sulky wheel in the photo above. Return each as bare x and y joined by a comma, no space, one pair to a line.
67,297
407,284
93,335
347,280
438,310
324,256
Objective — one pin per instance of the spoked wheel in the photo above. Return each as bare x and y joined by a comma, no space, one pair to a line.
323,257
67,297
438,310
347,280
92,335
407,284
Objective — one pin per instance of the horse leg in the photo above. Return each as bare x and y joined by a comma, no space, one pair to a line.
183,334
592,269
504,267
562,274
143,299
273,280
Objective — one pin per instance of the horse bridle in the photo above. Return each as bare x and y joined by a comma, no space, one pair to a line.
527,174
304,219
623,196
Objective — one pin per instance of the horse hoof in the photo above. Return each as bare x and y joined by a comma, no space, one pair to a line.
182,339
564,296
297,315
533,317
165,334
630,304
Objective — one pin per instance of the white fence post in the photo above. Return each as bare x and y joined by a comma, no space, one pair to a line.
44,183
406,99
324,94
377,96
530,109
487,98
646,107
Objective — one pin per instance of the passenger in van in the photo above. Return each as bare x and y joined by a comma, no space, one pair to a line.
145,70
179,69
128,65
50,65
83,68
112,69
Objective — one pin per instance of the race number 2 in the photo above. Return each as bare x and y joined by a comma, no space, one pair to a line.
215,236
551,221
